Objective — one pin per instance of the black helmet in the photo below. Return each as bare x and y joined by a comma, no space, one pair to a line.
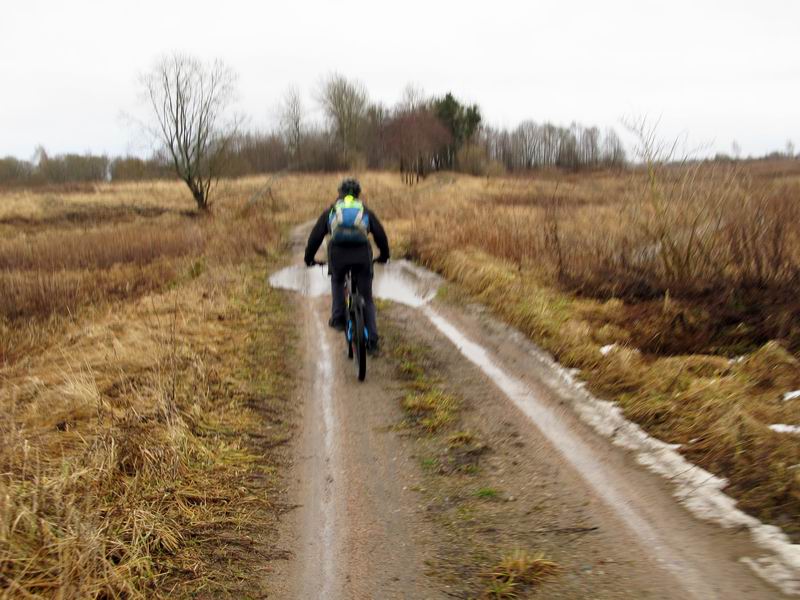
349,187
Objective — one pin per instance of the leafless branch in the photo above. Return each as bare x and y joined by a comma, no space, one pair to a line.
189,101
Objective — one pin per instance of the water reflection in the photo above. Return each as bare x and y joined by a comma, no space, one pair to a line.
309,281
400,281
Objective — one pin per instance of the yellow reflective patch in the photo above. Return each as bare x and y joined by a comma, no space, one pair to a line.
350,202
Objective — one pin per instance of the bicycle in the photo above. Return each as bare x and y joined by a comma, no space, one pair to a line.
355,331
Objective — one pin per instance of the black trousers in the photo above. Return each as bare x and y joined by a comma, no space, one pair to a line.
362,279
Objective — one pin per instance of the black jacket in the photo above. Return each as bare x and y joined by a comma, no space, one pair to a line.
347,255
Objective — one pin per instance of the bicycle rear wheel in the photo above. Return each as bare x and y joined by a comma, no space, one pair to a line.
350,326
359,343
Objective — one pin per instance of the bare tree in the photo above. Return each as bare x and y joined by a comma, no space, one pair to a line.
189,100
345,104
532,146
413,99
291,118
613,150
529,140
373,135
413,137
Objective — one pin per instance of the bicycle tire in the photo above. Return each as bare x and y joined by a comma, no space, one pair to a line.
360,342
348,338
349,327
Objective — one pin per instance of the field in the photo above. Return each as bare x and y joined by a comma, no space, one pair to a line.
141,352
672,292
140,360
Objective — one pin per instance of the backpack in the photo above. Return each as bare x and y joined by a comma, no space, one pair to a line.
348,222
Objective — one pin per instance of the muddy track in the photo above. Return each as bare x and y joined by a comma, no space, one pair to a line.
362,529
357,531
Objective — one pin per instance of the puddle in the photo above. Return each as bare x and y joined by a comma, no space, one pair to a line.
309,281
399,281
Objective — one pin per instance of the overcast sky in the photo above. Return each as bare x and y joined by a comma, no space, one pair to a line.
715,70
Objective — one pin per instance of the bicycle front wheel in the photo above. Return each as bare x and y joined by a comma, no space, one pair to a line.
348,336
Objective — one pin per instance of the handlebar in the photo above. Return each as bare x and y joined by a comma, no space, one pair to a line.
318,263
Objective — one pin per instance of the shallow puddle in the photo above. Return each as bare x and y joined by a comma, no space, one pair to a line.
309,281
400,281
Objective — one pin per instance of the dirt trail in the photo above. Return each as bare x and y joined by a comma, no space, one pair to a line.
676,555
357,531
360,531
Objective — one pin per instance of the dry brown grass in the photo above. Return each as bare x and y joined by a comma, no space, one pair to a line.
100,248
517,573
34,293
140,352
572,274
123,394
79,250
698,231
123,449
432,409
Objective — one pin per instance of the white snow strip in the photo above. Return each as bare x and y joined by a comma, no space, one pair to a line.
781,428
791,395
575,450
697,489
607,349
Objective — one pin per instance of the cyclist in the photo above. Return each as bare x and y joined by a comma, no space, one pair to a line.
349,223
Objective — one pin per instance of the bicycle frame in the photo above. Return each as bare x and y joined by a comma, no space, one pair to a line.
356,331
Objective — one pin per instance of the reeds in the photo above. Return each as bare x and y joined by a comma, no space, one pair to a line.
688,272
123,439
690,231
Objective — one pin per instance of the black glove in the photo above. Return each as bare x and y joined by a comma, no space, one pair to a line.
309,262
382,260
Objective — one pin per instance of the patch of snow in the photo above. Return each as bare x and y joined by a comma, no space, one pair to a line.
781,428
573,449
695,488
791,395
698,490
607,349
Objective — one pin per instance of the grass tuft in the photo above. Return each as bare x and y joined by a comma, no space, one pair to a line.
516,571
487,493
460,439
432,410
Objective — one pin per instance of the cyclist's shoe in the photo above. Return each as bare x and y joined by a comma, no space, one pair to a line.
337,324
373,346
